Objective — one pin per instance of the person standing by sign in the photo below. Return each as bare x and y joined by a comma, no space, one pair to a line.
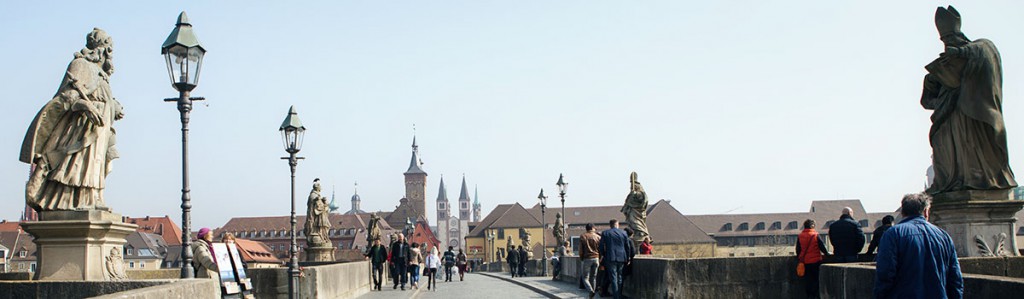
202,256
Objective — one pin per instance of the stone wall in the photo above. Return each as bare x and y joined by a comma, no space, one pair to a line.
186,288
857,281
695,250
342,280
154,274
71,289
999,266
741,277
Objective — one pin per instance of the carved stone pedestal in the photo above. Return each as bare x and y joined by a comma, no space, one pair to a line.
79,245
320,254
981,223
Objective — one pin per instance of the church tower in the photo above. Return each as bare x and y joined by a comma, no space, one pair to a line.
476,205
356,201
416,183
443,211
464,201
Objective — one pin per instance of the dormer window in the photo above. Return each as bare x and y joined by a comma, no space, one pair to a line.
743,226
726,227
22,253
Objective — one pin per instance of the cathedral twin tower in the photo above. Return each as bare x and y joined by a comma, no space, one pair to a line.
450,230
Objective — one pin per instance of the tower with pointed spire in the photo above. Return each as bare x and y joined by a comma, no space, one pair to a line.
464,200
416,183
442,203
476,205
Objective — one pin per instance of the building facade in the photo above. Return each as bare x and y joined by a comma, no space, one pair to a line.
450,229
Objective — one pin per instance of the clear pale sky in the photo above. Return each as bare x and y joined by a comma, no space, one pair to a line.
742,106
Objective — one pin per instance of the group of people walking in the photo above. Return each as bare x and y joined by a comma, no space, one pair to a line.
612,250
517,259
916,259
406,262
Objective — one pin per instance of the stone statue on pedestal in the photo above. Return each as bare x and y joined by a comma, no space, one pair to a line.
373,229
527,244
318,224
70,143
635,209
972,177
964,89
559,230
70,147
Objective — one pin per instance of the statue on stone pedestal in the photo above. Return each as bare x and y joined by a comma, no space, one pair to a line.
318,222
525,236
635,208
511,246
70,143
373,229
559,229
409,228
964,89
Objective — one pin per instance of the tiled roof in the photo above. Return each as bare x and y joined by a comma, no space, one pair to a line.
496,213
516,216
163,226
145,246
667,225
9,226
255,251
823,212
278,223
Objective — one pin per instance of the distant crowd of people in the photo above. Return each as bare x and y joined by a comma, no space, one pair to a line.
406,262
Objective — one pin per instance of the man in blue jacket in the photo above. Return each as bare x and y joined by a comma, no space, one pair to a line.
917,259
615,249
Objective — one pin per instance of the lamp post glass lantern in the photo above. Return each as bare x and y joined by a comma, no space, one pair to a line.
184,57
291,134
563,186
543,235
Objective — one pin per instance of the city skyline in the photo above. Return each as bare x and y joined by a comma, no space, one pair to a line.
720,108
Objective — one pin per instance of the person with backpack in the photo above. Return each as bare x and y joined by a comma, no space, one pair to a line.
449,262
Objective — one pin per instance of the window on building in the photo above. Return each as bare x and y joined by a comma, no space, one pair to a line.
128,250
21,266
726,227
22,253
131,265
465,205
743,226
863,223
792,225
32,267
759,226
776,225
142,265
501,233
3,253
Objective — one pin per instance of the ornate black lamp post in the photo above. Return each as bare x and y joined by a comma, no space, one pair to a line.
543,235
184,57
562,187
291,133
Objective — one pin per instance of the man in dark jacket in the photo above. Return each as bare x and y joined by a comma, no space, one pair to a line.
513,261
378,255
846,237
917,259
877,235
615,249
449,262
400,258
523,257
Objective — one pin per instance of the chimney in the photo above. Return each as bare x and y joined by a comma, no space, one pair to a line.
147,218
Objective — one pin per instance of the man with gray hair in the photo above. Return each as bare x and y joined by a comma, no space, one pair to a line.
917,259
846,237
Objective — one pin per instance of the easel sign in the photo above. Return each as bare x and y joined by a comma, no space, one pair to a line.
243,279
228,285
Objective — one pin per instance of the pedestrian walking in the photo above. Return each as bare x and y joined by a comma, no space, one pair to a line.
461,261
513,261
415,259
917,259
378,255
615,249
809,250
433,263
449,262
877,235
846,237
523,257
590,256
400,261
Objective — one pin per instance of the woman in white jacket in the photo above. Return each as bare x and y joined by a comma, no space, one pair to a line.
433,262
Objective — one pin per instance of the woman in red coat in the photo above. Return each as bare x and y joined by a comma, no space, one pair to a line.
809,250
646,247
